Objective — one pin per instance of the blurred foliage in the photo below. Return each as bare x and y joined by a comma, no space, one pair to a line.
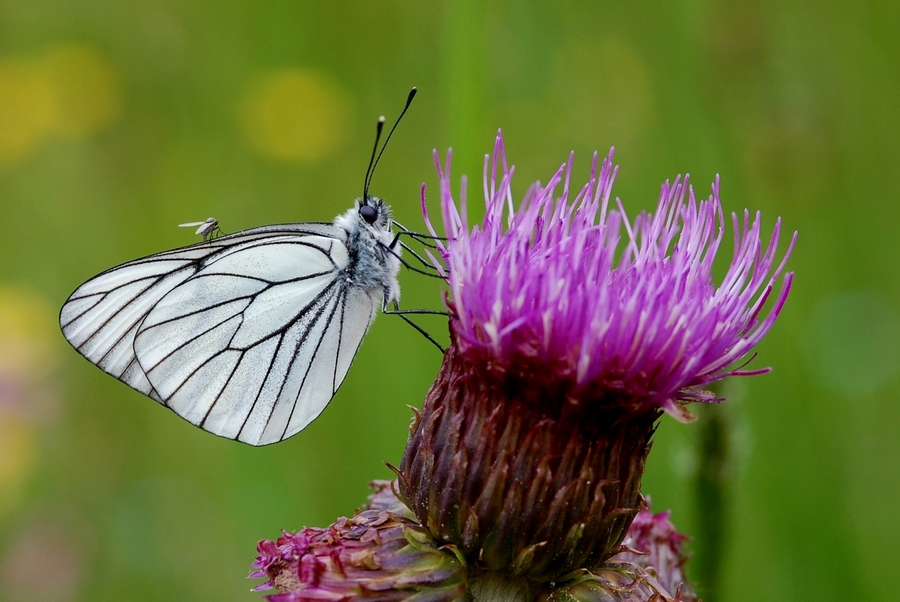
119,120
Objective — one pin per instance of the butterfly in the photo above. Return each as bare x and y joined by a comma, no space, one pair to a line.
248,335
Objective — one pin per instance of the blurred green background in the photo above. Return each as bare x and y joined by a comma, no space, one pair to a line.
120,119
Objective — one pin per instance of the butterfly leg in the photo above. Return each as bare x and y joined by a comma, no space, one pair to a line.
403,316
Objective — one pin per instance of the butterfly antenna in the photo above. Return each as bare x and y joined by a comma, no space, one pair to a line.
371,167
374,164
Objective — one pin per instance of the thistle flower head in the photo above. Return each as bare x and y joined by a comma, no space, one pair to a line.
573,328
565,285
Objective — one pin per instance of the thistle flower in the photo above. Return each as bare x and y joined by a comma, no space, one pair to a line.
568,341
548,284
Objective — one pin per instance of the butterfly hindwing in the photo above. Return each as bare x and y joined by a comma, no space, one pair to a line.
320,361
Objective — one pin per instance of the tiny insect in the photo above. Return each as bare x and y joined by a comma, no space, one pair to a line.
207,229
249,335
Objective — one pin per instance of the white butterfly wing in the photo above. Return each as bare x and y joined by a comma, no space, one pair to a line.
255,344
102,318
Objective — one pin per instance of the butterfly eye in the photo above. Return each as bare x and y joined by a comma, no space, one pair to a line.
368,213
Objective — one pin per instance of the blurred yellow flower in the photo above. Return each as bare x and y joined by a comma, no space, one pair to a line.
27,335
27,108
69,89
294,115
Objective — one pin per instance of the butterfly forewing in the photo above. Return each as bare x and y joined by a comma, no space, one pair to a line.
101,317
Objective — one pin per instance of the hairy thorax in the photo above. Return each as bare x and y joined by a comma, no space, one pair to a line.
373,265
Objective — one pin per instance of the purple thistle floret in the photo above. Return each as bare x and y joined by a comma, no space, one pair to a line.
659,548
553,283
377,556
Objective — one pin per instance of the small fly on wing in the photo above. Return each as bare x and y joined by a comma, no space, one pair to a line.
207,229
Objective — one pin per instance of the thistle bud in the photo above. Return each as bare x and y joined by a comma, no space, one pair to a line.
375,556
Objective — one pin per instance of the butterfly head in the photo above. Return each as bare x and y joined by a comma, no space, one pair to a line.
370,218
375,213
